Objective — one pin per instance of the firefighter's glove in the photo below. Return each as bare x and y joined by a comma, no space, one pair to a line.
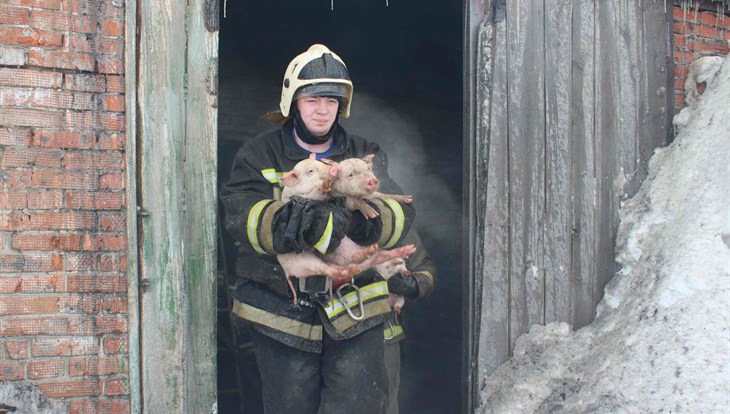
403,285
303,224
364,231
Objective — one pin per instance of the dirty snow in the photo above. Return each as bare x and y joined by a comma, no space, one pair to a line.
660,342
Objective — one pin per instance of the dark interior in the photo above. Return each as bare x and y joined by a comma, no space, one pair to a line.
405,61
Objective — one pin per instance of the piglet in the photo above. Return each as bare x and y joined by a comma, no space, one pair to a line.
312,179
391,268
356,182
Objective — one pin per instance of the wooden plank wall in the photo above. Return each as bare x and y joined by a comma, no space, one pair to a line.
176,183
571,99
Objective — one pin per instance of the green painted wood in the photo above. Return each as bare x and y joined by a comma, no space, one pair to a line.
176,177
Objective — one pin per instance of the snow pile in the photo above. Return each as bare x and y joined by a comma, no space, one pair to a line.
660,342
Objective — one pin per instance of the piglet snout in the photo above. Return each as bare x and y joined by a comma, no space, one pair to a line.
372,183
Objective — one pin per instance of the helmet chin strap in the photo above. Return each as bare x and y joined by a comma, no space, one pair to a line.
309,138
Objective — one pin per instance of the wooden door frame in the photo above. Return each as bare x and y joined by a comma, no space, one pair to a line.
171,70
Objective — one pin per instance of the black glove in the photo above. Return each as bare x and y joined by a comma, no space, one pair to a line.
300,224
403,285
364,231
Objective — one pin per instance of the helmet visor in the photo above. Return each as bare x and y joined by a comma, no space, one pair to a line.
323,89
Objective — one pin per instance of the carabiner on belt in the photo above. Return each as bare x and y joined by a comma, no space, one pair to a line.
344,303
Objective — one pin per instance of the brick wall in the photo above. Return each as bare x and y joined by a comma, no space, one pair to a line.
63,297
701,28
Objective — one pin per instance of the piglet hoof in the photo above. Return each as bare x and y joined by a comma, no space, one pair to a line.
407,273
397,309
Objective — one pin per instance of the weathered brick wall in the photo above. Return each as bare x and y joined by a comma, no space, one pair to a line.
63,293
701,28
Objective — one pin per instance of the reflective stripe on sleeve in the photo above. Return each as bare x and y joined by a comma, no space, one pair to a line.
392,331
399,220
277,322
252,225
324,241
272,176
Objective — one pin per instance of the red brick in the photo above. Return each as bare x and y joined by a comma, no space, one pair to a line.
77,262
62,60
115,84
99,325
59,99
681,27
46,241
684,57
33,326
14,221
48,347
28,305
68,180
29,36
11,263
95,366
681,71
63,221
110,64
110,27
16,349
104,242
33,284
11,371
79,304
709,19
14,15
683,14
113,263
97,284
43,369
63,21
114,305
113,222
112,141
15,97
70,388
99,406
16,180
30,157
39,4
45,200
85,82
64,139
88,120
109,201
12,56
30,77
10,136
87,160
38,118
113,103
115,345
679,83
115,387
95,44
13,200
710,32
111,181
96,7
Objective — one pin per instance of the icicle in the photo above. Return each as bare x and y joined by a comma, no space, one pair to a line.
386,3
332,5
225,6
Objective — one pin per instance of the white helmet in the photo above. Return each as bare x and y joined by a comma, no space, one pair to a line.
316,72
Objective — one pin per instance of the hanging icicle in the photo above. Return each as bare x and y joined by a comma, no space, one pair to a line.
225,6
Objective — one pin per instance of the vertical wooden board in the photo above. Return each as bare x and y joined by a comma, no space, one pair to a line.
526,127
493,206
558,161
200,155
583,139
655,110
161,192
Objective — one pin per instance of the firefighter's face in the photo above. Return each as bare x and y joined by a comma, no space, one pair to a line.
318,113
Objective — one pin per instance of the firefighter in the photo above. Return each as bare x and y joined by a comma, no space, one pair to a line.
323,354
418,285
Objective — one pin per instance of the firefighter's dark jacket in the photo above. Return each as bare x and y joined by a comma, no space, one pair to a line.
251,198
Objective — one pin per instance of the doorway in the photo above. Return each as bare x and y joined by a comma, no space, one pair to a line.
405,60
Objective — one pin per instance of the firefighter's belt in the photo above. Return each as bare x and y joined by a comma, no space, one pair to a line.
366,302
314,285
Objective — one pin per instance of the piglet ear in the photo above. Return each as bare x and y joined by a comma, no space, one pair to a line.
312,156
369,158
289,179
